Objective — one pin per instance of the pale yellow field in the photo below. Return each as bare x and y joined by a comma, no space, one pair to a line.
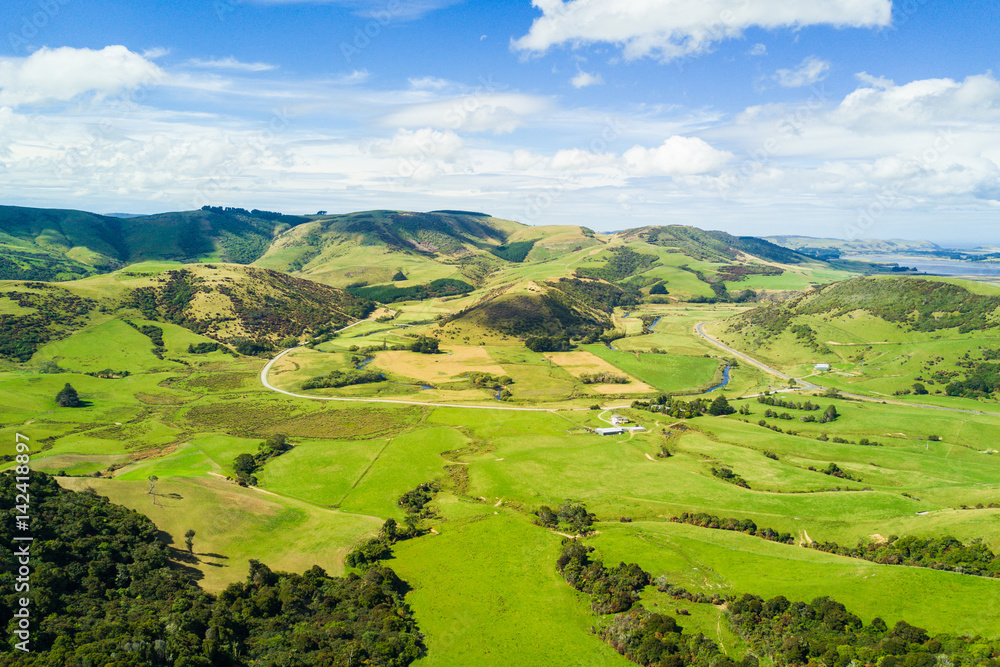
431,367
581,362
635,387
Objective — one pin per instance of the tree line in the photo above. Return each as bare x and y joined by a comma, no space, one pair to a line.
103,591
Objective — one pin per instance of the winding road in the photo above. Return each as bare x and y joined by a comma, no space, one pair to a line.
808,386
699,329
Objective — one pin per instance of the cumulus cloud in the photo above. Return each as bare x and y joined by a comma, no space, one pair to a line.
812,70
669,29
584,79
884,105
59,75
230,63
758,50
677,156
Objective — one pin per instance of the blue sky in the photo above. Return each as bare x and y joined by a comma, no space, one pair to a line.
842,118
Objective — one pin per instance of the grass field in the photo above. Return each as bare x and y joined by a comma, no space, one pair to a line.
501,605
664,372
485,589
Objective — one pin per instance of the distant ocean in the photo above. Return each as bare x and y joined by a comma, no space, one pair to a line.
939,267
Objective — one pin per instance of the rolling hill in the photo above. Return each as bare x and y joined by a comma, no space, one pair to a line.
415,248
239,305
54,244
882,335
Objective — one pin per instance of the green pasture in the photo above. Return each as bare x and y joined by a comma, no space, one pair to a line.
724,562
665,372
487,592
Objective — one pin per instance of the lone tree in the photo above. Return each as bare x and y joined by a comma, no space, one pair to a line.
189,540
153,479
720,406
425,345
67,397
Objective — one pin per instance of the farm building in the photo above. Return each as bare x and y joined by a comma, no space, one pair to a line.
614,430
636,429
822,367
618,420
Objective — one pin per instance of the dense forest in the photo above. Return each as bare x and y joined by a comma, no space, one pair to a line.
824,632
106,591
432,290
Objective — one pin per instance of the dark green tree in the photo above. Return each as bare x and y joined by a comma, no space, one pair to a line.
67,397
720,406
425,345
189,540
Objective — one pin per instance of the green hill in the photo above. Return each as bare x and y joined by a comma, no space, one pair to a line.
713,246
227,303
882,335
54,244
414,248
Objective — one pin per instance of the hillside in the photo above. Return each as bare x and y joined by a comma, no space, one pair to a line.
712,246
882,335
227,303
414,248
53,244
567,307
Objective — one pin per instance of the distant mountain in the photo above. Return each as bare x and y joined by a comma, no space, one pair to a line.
712,246
55,244
820,247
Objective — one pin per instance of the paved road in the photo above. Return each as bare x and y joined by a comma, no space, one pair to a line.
802,384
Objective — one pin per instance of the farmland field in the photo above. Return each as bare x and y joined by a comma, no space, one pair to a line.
460,470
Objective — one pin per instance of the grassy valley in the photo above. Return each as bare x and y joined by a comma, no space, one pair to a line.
427,393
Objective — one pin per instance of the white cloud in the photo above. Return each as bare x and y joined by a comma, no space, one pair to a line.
678,156
352,79
584,79
381,10
669,29
428,83
59,75
425,142
575,159
499,113
812,70
230,63
885,105
758,50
